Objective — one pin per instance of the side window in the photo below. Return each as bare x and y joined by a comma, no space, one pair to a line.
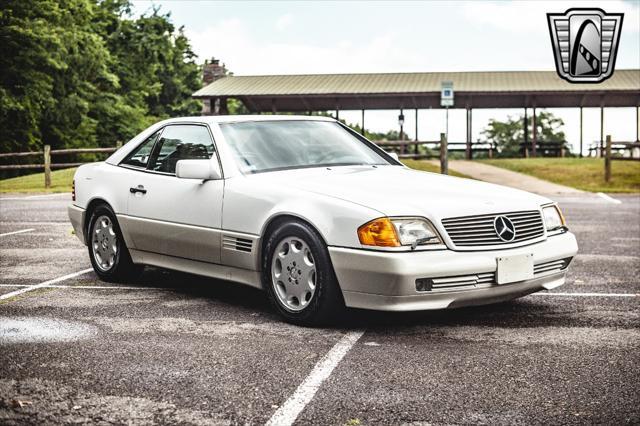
181,142
140,156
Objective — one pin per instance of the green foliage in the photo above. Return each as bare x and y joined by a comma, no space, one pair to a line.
508,135
82,73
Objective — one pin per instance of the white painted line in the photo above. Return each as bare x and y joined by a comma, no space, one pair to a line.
291,409
17,232
92,287
8,222
588,294
36,197
44,284
608,198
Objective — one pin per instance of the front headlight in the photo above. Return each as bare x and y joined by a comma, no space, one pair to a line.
553,218
396,232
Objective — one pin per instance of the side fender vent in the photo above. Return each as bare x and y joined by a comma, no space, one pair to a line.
238,244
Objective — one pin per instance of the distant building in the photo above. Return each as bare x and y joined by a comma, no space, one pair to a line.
212,71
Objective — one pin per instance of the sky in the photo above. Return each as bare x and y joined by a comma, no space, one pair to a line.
260,37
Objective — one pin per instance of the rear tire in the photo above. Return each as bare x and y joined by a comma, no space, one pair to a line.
298,276
108,252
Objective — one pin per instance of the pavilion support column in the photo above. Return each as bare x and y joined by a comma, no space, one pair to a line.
274,110
469,152
224,109
362,131
580,132
525,126
416,151
638,124
337,113
534,134
601,150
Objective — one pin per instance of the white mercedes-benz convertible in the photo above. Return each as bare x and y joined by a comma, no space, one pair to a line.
316,215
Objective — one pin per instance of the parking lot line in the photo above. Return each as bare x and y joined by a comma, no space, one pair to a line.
22,231
35,197
588,294
608,198
44,284
289,411
92,287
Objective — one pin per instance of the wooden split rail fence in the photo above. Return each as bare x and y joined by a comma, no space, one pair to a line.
402,148
46,155
619,146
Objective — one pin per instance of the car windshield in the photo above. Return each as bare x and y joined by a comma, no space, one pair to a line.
260,146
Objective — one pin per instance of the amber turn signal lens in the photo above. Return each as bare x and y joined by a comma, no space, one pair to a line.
564,222
379,232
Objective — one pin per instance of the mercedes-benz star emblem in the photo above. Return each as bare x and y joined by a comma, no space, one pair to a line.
504,228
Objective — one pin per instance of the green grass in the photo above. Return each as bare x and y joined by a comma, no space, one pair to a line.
581,173
429,167
61,181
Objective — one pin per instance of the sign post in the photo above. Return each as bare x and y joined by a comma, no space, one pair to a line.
447,100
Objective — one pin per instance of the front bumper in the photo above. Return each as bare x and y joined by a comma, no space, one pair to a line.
387,280
76,216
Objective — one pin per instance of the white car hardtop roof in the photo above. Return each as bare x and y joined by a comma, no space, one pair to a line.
245,118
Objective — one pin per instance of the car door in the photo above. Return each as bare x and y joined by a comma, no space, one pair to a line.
172,216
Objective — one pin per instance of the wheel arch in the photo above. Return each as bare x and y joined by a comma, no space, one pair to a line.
93,204
278,219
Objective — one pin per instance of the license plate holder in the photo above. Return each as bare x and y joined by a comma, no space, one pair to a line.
511,269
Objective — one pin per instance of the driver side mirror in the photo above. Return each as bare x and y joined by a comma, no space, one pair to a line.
198,169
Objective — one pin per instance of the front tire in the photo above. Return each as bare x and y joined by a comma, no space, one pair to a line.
298,276
108,253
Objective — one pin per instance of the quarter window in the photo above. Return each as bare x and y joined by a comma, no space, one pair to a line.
140,156
181,142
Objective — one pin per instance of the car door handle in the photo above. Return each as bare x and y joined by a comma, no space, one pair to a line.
139,189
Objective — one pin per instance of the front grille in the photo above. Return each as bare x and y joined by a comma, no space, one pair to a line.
469,231
485,279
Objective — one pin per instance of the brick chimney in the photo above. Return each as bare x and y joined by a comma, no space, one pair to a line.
212,71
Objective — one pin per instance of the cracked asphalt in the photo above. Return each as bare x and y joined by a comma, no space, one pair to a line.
176,348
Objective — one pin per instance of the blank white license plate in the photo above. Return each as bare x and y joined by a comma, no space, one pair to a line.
512,269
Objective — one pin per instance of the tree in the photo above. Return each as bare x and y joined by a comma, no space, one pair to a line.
508,135
83,73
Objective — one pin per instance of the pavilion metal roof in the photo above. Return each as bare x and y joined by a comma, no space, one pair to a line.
422,90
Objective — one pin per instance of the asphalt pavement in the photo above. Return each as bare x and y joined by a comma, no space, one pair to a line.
176,348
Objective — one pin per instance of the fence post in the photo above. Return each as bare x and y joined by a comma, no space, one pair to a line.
444,162
607,160
119,144
47,166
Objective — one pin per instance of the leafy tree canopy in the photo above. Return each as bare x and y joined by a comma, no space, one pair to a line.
80,73
508,135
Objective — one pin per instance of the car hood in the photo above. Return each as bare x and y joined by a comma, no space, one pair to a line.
399,191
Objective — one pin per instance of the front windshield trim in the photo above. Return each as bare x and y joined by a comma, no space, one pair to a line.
320,166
